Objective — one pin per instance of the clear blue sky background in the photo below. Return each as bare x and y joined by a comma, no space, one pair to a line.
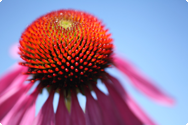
153,34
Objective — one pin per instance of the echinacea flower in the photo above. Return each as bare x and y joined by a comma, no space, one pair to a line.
67,51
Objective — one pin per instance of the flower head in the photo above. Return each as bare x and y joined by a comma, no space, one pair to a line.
67,51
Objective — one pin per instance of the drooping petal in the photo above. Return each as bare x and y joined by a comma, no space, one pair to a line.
142,83
77,115
8,99
17,112
110,116
93,112
46,114
127,115
29,114
18,81
131,103
139,112
62,115
10,76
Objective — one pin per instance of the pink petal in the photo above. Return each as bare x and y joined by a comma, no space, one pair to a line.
77,115
131,103
109,111
127,115
8,99
14,50
62,115
46,115
29,114
7,79
139,112
18,81
142,83
14,111
16,114
93,111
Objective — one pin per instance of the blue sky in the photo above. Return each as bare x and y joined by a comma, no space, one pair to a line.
153,35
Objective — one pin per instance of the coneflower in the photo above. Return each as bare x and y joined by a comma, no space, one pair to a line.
67,51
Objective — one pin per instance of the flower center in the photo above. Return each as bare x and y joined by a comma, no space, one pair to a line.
65,24
66,49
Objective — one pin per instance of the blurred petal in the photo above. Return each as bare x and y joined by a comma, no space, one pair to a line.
142,83
127,115
17,112
139,112
8,100
14,50
46,114
62,115
17,82
110,116
29,114
93,112
77,115
131,103
10,76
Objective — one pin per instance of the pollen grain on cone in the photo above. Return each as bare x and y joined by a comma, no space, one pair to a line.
66,48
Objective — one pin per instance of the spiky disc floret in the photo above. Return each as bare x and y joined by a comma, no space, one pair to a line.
65,48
